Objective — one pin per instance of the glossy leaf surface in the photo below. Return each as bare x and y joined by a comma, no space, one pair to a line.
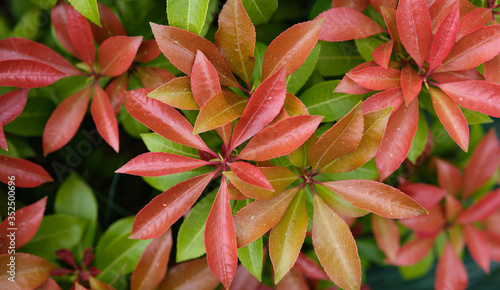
250,174
188,15
176,93
449,177
159,163
12,105
104,117
355,25
376,78
450,270
389,98
28,74
481,210
204,79
193,274
110,25
117,53
80,35
31,271
59,18
444,38
386,234
411,84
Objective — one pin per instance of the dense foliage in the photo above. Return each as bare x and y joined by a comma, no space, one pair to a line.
301,144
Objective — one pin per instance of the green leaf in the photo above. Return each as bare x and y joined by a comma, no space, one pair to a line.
44,4
213,9
474,117
296,80
281,161
189,15
56,232
157,143
368,172
251,257
76,198
337,58
116,255
321,100
32,120
191,238
419,269
260,11
133,127
318,7
260,50
420,139
87,8
163,183
366,46
287,237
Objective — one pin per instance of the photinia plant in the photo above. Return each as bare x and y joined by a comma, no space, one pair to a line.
429,48
452,218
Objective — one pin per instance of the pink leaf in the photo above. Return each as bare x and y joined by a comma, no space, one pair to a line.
59,17
414,26
426,195
348,86
80,35
473,21
450,272
116,92
162,119
386,235
481,210
398,137
31,271
413,251
28,74
483,163
110,25
193,274
160,163
451,117
65,120
3,141
478,96
376,78
457,76
345,24
444,38
309,268
449,177
104,117
492,70
204,80
477,243
117,53
148,50
382,54
12,105
26,173
21,48
411,84
26,221
153,77
389,98
250,174
263,107
164,210
427,225
220,238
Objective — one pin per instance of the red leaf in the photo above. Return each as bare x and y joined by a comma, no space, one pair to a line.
204,79
3,142
438,11
411,84
477,244
26,173
449,177
348,86
427,225
413,251
481,210
243,279
164,210
116,92
343,138
26,222
474,49
358,5
110,25
194,274
12,105
263,107
451,117
80,36
236,39
389,15
160,163
376,78
154,77
386,234
450,272
258,217
292,280
478,96
389,98
483,163
104,117
473,21
180,47
353,25
398,137
280,139
49,284
21,48
414,26
444,38
291,48
162,119
152,266
28,74
65,120
376,197
148,50
220,238
386,3
426,195
117,53
457,76
30,271
492,70
309,268
59,18
382,54
250,174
